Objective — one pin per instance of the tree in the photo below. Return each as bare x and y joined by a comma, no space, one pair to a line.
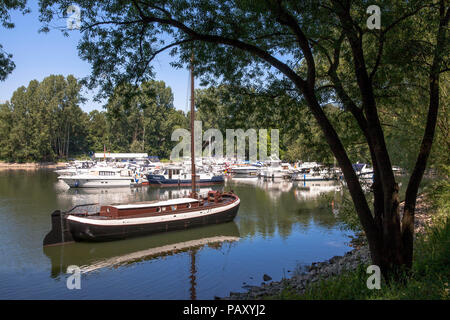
246,41
6,152
98,130
43,121
142,118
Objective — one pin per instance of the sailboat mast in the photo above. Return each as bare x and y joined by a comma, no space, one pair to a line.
192,128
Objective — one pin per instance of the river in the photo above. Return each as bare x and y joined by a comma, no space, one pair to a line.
280,228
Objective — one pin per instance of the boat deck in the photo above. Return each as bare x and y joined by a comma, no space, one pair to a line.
94,211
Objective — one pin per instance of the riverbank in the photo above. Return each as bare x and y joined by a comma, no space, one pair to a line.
31,165
335,273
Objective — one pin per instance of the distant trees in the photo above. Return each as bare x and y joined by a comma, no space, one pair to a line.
143,119
44,122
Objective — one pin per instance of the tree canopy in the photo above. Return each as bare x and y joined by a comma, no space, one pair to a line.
44,121
317,52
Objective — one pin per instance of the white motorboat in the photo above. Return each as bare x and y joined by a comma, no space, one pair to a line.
313,171
97,222
244,169
173,176
102,178
364,171
312,175
276,170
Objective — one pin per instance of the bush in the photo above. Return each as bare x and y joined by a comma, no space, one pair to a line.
428,279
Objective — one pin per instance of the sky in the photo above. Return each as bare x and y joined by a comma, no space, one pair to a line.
38,55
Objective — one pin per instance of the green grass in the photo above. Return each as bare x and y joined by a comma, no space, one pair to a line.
430,274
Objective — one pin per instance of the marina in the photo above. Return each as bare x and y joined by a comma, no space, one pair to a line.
278,229
227,150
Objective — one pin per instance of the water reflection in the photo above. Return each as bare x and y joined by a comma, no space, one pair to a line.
95,256
312,189
281,206
279,224
276,187
179,192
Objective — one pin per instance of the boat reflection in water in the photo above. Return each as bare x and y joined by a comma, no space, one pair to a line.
168,193
312,189
95,256
71,197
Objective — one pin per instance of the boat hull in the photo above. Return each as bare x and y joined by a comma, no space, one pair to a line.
273,174
97,183
161,181
83,230
310,177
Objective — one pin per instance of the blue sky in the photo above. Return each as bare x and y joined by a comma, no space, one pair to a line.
38,55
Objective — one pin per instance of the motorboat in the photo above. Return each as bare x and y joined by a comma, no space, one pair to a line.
173,176
119,221
102,178
244,169
363,171
276,170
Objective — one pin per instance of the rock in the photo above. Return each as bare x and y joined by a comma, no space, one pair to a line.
300,281
334,259
266,277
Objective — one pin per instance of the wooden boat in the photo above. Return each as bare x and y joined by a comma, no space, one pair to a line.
112,222
120,221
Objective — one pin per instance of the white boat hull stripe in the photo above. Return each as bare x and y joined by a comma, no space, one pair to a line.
154,219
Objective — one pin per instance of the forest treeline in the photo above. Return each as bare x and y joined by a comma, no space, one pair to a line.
44,122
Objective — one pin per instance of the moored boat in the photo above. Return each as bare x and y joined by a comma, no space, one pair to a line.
113,222
120,221
101,178
244,169
178,177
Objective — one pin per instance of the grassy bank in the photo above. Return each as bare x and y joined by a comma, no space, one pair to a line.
431,268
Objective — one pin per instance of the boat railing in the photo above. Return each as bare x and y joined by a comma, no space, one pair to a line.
85,209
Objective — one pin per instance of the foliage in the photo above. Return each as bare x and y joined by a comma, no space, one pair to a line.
429,277
439,192
43,121
142,119
317,53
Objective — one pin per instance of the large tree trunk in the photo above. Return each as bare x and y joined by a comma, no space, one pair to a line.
428,137
395,238
382,228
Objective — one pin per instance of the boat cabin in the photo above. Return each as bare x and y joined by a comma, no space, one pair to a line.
161,207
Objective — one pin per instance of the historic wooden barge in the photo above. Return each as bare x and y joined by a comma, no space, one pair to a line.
112,222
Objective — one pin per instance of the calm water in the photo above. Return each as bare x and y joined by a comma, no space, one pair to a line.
280,227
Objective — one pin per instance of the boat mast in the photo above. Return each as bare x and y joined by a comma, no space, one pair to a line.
192,129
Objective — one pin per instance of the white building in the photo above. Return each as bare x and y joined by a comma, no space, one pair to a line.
120,156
